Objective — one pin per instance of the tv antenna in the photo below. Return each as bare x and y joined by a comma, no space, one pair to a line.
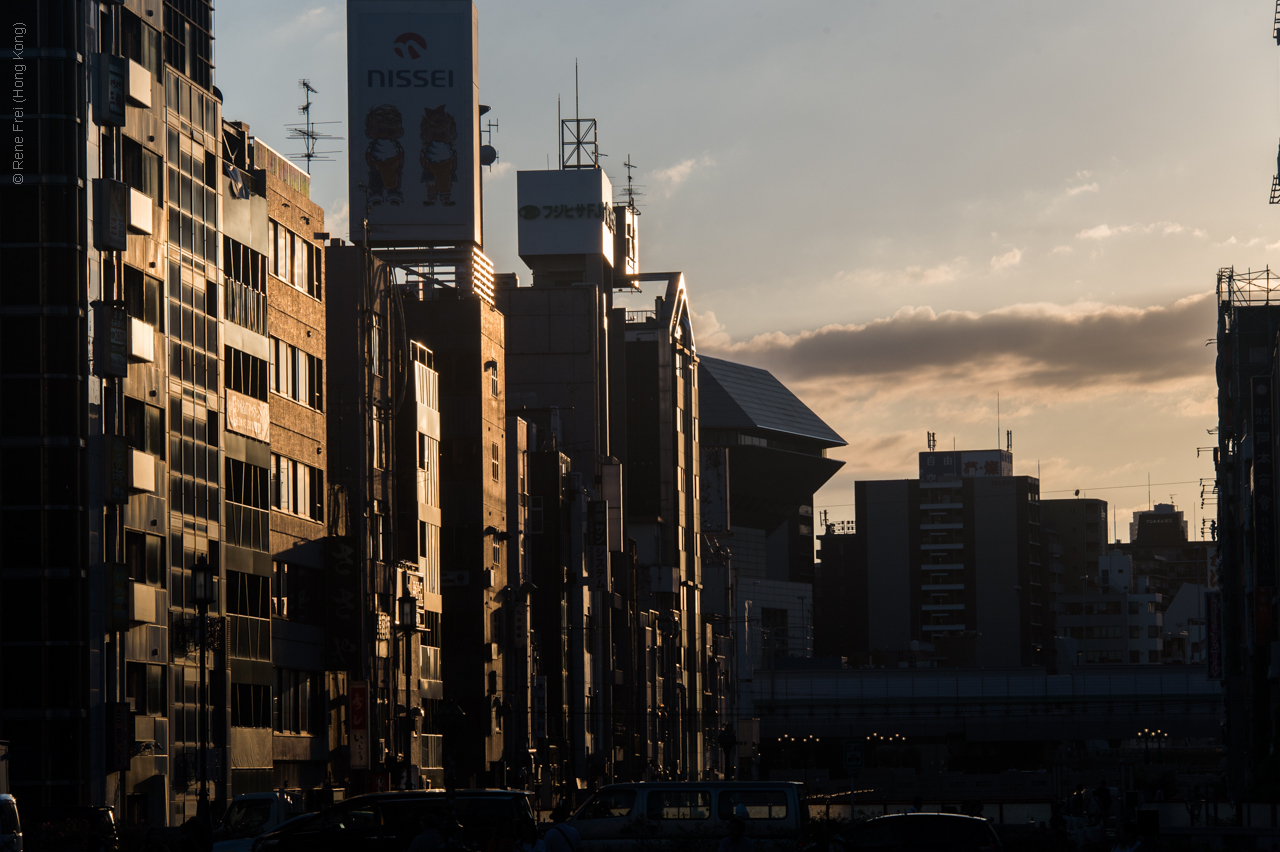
307,132
631,191
933,440
580,149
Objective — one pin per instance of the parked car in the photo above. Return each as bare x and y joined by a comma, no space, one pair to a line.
252,814
10,825
658,815
70,828
271,839
388,822
922,833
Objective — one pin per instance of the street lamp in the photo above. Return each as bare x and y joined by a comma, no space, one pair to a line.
407,616
204,595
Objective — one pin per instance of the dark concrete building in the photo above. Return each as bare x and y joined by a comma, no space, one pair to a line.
111,400
1077,531
1248,632
949,566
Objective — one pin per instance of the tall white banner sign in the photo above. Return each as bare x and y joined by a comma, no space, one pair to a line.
413,112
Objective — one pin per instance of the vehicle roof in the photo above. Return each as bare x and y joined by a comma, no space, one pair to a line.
8,797
926,816
433,794
748,784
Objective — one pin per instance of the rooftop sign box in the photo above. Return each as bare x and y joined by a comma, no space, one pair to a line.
565,212
954,465
413,110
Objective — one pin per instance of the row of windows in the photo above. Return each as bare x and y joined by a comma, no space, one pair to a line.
297,488
294,260
429,549
141,169
246,484
297,374
248,595
246,373
428,465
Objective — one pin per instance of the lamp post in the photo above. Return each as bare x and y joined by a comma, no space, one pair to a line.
204,595
452,721
407,615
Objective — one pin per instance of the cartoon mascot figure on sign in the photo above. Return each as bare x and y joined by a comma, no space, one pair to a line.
439,157
384,156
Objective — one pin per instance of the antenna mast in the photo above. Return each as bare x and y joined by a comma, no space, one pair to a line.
579,144
307,131
631,190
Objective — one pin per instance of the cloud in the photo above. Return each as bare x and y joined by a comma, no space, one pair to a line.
1087,187
672,176
498,170
1061,250
338,220
1006,260
1102,232
1087,349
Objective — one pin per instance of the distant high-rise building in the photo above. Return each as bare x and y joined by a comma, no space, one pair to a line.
946,567
1076,531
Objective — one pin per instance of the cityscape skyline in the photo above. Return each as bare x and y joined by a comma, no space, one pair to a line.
1092,216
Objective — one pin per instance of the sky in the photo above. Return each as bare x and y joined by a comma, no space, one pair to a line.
901,209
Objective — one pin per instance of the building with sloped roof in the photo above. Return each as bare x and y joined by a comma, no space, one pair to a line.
765,455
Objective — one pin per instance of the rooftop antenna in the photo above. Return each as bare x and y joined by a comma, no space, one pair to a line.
997,418
933,441
631,190
307,131
1008,440
579,142
1148,491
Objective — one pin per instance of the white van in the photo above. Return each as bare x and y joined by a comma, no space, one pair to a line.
10,825
252,814
662,816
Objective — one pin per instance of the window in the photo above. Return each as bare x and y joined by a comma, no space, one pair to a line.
141,169
296,374
1153,631
679,804
428,458
144,555
375,536
144,689
250,705
248,595
280,589
246,374
248,497
493,381
493,455
375,344
297,701
753,804
297,488
144,427
610,804
142,296
381,440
